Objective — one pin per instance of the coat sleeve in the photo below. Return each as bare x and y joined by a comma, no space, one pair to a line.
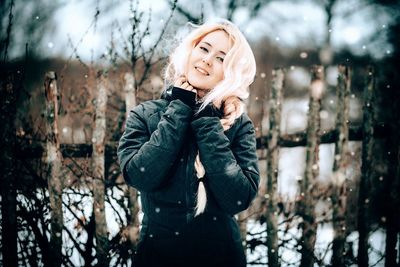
232,173
145,158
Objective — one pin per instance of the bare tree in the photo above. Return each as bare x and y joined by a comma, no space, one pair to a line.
27,28
225,9
5,41
272,166
140,58
325,53
308,184
388,102
366,168
55,183
340,162
99,174
10,85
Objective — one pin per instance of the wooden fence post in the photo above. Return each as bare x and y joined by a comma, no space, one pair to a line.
392,246
366,169
275,107
242,221
341,148
8,92
98,163
308,185
54,163
393,199
131,193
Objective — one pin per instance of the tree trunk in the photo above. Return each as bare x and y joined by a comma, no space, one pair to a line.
393,199
391,240
309,225
242,221
8,92
339,179
275,107
365,182
131,193
53,160
98,142
326,52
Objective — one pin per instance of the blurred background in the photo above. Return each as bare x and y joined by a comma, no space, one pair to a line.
120,35
83,40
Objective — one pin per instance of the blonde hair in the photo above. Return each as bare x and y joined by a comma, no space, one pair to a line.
239,68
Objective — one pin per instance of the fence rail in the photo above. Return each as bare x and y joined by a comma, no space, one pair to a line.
28,149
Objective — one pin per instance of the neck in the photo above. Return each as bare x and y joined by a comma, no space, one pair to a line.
201,93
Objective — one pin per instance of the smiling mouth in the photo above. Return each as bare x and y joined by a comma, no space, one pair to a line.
202,71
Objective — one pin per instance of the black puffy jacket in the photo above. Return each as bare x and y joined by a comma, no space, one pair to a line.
157,153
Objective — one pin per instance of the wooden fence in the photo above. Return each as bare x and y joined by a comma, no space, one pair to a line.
102,152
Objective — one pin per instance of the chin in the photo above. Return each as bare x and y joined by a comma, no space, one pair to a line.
197,84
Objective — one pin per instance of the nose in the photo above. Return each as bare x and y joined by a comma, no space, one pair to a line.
207,59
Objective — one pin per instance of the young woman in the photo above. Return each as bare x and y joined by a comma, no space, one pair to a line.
192,153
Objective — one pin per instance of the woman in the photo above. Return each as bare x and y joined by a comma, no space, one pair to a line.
192,153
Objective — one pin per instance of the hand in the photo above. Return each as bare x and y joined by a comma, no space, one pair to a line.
208,111
182,83
183,91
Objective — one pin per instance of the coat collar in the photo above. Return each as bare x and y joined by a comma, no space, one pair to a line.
167,92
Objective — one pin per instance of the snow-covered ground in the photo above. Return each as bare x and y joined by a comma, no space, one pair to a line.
81,204
288,253
291,257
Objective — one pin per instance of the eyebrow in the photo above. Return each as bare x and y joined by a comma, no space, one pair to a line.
207,43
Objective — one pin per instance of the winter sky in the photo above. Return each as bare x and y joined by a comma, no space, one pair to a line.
288,24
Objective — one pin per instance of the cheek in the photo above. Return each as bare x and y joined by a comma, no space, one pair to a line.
219,71
195,55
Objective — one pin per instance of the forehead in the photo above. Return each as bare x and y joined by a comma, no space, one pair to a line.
218,39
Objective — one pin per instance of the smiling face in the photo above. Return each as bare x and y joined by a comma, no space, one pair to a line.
205,64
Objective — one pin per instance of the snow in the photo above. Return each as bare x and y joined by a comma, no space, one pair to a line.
290,255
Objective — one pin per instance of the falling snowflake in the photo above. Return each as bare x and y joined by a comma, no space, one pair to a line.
303,55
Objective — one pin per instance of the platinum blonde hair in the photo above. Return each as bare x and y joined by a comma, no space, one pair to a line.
239,63
239,68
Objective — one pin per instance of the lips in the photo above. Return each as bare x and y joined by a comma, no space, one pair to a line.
202,71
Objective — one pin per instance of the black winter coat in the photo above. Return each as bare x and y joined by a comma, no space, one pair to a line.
157,153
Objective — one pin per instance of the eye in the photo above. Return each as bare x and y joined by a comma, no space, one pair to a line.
204,49
221,59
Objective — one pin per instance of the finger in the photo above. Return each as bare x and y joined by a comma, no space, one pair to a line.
179,81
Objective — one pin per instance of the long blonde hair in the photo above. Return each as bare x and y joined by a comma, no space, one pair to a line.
239,71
